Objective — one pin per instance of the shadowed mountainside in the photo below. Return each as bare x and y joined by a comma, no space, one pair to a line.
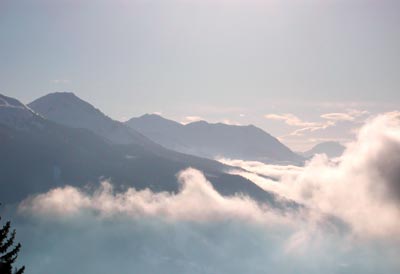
214,140
42,154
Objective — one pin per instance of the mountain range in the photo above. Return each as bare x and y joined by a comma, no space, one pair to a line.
67,109
214,140
59,139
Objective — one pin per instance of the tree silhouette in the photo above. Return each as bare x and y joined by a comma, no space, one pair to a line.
8,251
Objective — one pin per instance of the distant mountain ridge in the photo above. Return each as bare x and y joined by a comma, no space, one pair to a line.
67,109
214,140
39,154
331,149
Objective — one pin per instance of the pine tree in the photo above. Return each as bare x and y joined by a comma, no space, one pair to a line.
8,251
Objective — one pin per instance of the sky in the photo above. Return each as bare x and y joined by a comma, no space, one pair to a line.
305,71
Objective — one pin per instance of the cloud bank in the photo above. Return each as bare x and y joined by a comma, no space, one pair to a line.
197,201
362,188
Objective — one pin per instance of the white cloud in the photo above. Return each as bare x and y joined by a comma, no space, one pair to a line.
350,115
60,81
196,230
290,119
191,119
363,189
305,126
329,126
321,126
230,122
338,116
187,205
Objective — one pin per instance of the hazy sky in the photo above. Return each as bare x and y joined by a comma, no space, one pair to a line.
222,60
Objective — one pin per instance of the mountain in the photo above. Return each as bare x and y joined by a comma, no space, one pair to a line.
331,149
67,109
39,154
214,140
15,114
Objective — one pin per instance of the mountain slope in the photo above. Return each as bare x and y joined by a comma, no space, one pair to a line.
67,109
46,155
15,114
214,140
331,149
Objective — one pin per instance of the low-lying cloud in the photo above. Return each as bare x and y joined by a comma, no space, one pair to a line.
197,201
362,188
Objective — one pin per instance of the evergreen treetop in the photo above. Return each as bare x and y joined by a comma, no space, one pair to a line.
8,251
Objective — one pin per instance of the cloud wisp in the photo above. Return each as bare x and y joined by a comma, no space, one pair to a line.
350,115
291,120
329,120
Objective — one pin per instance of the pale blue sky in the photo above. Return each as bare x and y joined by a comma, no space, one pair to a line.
233,60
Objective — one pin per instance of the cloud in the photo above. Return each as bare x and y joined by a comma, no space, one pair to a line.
331,120
230,122
193,231
338,116
187,205
290,120
302,131
350,115
91,245
275,172
333,126
362,189
364,182
191,119
60,81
